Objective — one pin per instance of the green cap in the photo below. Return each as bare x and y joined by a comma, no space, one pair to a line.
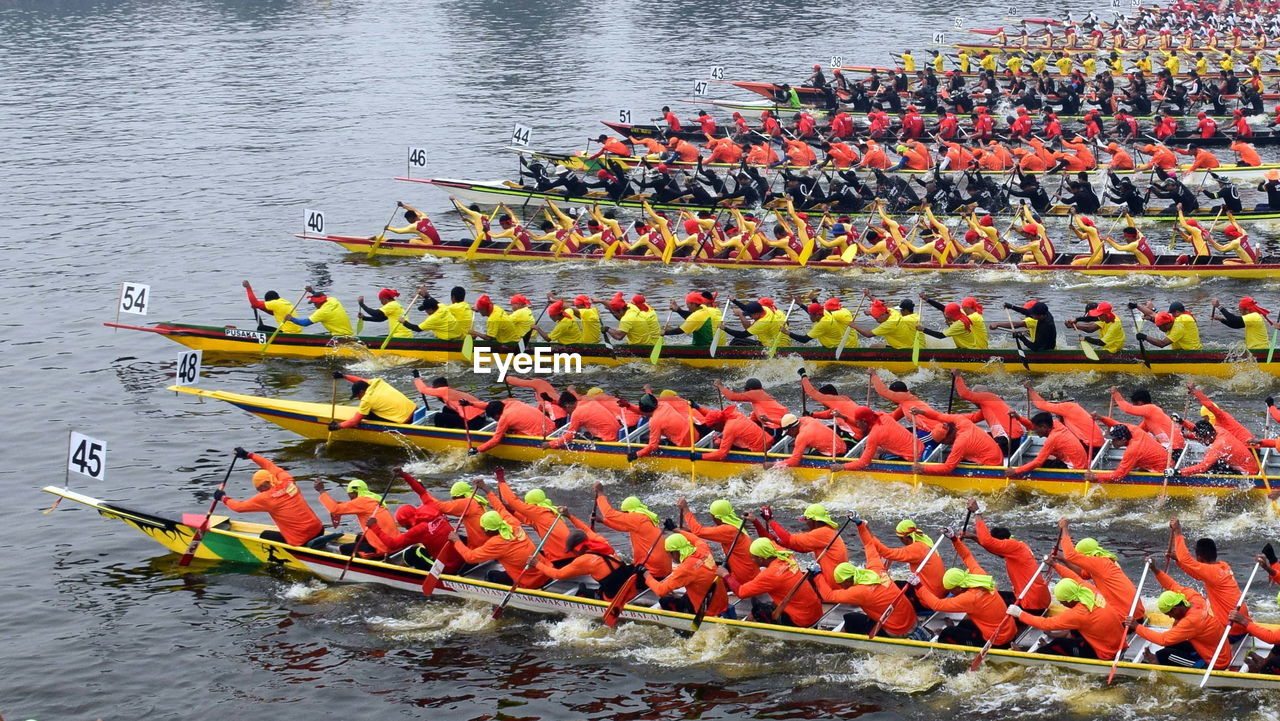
722,511
460,489
818,512
960,578
631,504
676,542
536,497
860,576
1169,599
1090,547
1068,591
492,521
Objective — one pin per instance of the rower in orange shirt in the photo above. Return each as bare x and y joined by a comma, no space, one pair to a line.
1080,149
597,419
366,506
799,153
842,408
463,501
1086,612
736,432
873,156
1141,451
1245,154
870,590
1226,453
724,150
822,530
915,547
778,576
1201,159
1077,419
1193,622
682,150
1219,580
763,406
993,410
1102,568
1061,448
761,154
461,408
1019,561
694,570
278,495
911,159
514,416
664,422
1159,157
537,511
907,401
881,434
968,442
611,146
641,525
740,562
975,595
811,435
504,541
1120,158
997,157
1154,420
840,155
1221,419
589,554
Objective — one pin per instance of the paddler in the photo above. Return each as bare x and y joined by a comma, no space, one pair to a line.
1101,567
693,569
278,307
440,321
968,443
761,326
420,226
702,319
643,528
1252,317
664,422
637,320
1100,318
498,326
729,527
736,432
390,312
1154,420
915,547
588,317
514,416
1179,326
587,554
1134,243
566,331
1088,613
830,322
1061,448
810,436
820,533
594,420
425,537
779,574
1141,451
278,495
465,501
1226,453
461,409
1196,631
883,437
961,329
971,591
369,511
379,401
1019,561
504,541
329,313
994,411
897,330
1219,580
870,590
536,511
763,405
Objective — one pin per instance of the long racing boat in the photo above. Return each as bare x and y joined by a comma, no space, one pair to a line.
311,420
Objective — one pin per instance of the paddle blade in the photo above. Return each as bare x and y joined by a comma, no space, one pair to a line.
656,352
468,344
806,252
1087,348
1271,352
668,252
613,248
475,245
614,611
849,254
915,348
433,578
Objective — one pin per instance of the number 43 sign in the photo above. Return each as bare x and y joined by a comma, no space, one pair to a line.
87,456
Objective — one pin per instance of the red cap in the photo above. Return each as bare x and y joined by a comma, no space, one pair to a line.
556,309
662,168
696,297
971,236
877,308
814,309
1162,318
768,303
1100,310
971,303
387,294
519,299
817,67
638,301
1248,304
691,226
1029,304
1030,229
582,301
1087,221
319,298
832,304
483,303
865,415
1232,231
616,302
987,221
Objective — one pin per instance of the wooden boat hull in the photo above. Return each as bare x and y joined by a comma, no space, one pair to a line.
557,598
755,107
215,341
310,420
491,193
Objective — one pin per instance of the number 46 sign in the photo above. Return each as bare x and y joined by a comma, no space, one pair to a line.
87,456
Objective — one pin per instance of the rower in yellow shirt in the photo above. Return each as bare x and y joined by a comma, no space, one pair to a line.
1101,319
278,307
1135,243
1237,242
897,330
637,320
1190,231
379,401
960,329
498,326
1064,64
587,315
1179,327
567,330
1252,317
1039,249
829,324
1086,230
329,313
440,321
391,311
701,319
760,325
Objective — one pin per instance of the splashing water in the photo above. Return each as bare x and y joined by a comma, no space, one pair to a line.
435,621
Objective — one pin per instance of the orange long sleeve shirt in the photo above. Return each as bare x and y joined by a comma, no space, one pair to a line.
889,436
643,532
911,554
363,508
1019,562
1144,452
666,422
1219,581
992,409
518,418
1228,448
873,600
1060,444
815,436
451,398
740,563
985,608
587,564
739,432
1222,420
540,388
1199,626
1154,420
845,405
971,444
284,502
1101,628
762,405
905,400
777,579
512,554
696,574
1075,417
471,519
1107,575
541,518
595,418
813,542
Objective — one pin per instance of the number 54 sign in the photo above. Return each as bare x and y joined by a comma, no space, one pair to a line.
87,456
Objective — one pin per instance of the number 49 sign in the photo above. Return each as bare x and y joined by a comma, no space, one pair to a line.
87,456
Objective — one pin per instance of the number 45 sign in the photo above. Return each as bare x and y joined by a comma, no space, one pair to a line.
87,456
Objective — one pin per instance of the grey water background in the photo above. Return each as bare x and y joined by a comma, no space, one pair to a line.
177,143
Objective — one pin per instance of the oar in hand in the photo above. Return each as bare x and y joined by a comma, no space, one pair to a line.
533,560
1133,608
986,648
1226,631
373,518
656,353
614,611
844,339
333,408
716,332
398,321
782,330
777,612
903,591
706,600
1017,339
217,495
1142,345
433,576
274,333
377,241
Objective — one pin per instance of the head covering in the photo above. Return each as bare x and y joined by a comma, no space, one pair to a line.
631,504
594,391
1102,309
1090,547
519,299
832,304
960,578
462,489
361,489
318,298
1169,599
582,301
638,301
818,512
971,303
263,476
696,297
764,548
909,529
1068,591
387,294
722,511
1162,318
617,302
860,576
677,543
1249,305
492,521
939,432
483,303
865,415
1030,229
877,308
953,312
667,393
788,420
1208,415
538,497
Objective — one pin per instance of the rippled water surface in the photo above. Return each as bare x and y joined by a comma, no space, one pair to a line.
177,143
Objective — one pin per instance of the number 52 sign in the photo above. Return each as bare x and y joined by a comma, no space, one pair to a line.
87,456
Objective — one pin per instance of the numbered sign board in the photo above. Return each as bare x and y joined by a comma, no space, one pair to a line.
700,88
87,456
624,116
189,368
313,221
958,22
417,157
717,73
938,38
520,134
134,298
837,61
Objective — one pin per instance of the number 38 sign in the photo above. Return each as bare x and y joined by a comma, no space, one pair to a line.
87,456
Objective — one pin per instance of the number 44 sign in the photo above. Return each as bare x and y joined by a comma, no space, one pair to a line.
87,456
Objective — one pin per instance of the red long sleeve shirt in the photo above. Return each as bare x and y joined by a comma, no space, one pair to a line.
1062,444
740,432
889,436
762,405
813,542
666,422
740,563
1200,627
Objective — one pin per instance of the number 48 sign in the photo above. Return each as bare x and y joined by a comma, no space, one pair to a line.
87,456
189,368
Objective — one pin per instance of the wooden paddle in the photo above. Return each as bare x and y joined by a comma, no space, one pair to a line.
903,591
433,576
614,611
1133,607
199,534
844,339
1142,346
656,353
777,612
706,600
333,410
391,329
986,648
533,560
1017,341
377,242
468,340
1208,671
373,518
716,332
777,341
276,332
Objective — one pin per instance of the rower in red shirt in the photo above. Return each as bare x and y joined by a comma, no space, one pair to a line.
1101,568
740,562
1219,580
763,406
811,436
969,443
673,123
596,419
1019,561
